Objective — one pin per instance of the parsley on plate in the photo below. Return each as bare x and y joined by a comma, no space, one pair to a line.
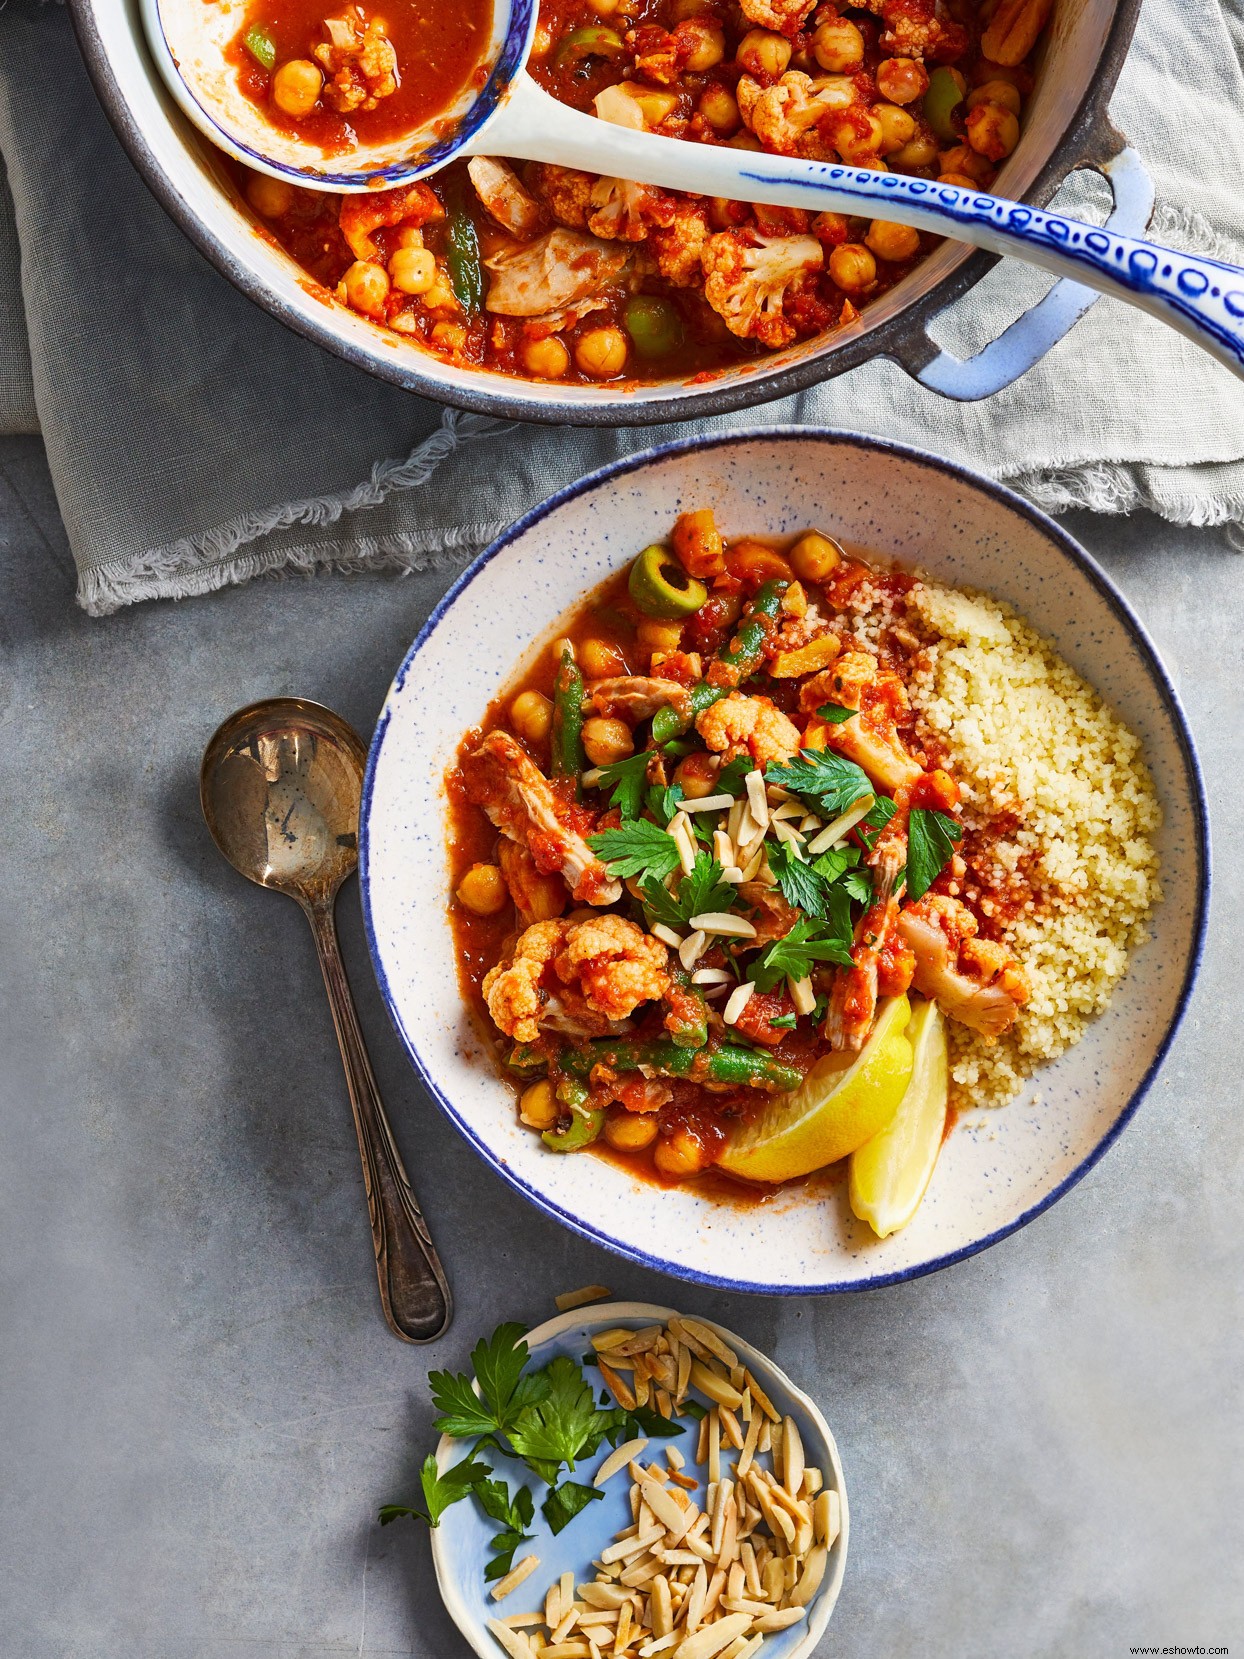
832,783
638,849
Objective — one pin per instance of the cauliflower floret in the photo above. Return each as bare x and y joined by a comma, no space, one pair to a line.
748,276
512,989
360,60
565,192
786,16
614,964
919,29
786,117
623,211
679,245
741,725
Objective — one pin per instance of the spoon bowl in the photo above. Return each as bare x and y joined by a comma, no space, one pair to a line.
281,784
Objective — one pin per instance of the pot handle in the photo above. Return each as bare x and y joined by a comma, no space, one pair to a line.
1029,337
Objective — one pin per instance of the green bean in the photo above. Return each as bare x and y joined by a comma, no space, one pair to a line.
668,723
568,759
742,657
728,1063
687,1021
585,1124
462,258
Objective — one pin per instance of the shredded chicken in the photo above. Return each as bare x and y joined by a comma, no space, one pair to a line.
636,697
498,186
976,981
501,777
537,897
360,61
740,725
561,269
749,277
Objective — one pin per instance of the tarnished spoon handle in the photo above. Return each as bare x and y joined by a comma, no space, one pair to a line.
413,1290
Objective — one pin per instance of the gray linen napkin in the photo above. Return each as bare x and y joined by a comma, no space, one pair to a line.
194,442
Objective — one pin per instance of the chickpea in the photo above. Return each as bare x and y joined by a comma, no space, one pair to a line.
853,268
537,1105
697,774
857,139
531,715
902,80
763,52
707,44
897,127
920,151
656,106
814,556
681,10
744,141
440,296
367,287
838,46
893,242
449,336
655,635
601,352
964,159
546,359
413,270
720,109
996,92
601,661
409,237
630,1131
961,179
271,197
606,741
992,130
831,227
757,562
296,87
678,1155
483,890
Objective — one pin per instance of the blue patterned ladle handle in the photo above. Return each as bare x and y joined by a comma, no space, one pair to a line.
1200,297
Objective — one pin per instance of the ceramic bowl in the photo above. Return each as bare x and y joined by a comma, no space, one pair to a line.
998,1169
460,1544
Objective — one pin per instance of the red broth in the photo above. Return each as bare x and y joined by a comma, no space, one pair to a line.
419,57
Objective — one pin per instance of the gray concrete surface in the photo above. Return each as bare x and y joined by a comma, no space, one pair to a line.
200,1409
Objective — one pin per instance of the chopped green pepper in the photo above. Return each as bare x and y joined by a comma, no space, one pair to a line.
259,43
592,41
585,1124
527,1062
668,723
728,1063
741,658
466,272
568,760
686,1011
661,587
653,325
941,99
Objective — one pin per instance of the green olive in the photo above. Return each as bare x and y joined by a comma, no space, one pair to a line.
653,325
583,1129
661,587
591,41
940,101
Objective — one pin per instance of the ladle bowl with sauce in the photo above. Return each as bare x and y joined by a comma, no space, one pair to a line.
463,91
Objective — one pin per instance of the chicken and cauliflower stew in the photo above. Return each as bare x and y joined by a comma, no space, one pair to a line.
557,274
780,856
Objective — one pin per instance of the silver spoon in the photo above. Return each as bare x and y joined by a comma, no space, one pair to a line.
280,785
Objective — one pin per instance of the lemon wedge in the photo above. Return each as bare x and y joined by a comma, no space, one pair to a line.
890,1172
841,1103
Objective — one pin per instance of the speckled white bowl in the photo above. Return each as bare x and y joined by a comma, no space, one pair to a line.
460,1544
998,1170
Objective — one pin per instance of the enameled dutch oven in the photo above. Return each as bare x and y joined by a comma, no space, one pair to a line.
1067,127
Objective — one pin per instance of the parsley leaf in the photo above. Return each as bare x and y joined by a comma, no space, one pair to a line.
564,1503
664,802
875,819
647,1420
701,891
792,957
729,780
498,1363
628,778
858,883
784,1022
556,1428
802,886
931,838
835,714
835,861
820,775
439,1491
515,1517
637,849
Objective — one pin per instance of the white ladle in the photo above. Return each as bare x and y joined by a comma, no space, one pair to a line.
512,116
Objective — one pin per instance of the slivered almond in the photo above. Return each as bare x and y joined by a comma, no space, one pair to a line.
709,803
718,1388
716,1585
630,1547
738,1001
724,924
569,1618
607,1596
736,1580
621,1640
757,800
666,1509
618,1460
781,1618
662,1606
827,1516
714,1449
801,994
515,1576
813,1480
659,1644
518,1621
792,1457
513,1641
617,1387
708,1338
694,1609
762,1399
730,1427
602,1341
674,1458
666,935
847,820
580,1298
749,1445
692,948
811,1576
743,1604
751,1575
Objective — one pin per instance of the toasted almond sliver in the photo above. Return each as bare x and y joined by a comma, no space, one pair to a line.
773,1579
792,1456
835,831
598,1618
801,994
515,1576
706,1335
813,1480
751,1575
666,1509
738,1001
714,1449
749,1446
553,1605
519,1621
692,948
714,1638
674,1458
718,1388
659,1644
739,1648
603,1341
762,1399
569,1618
566,1650
627,1548
693,1609
781,1618
744,1604
513,1641
618,1460
757,800
712,976
716,1585
617,1387
609,1597
810,1578
709,803
621,1640
580,1298
641,1573
752,868
667,936
730,1427
833,1517
701,1445
722,922
662,1606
